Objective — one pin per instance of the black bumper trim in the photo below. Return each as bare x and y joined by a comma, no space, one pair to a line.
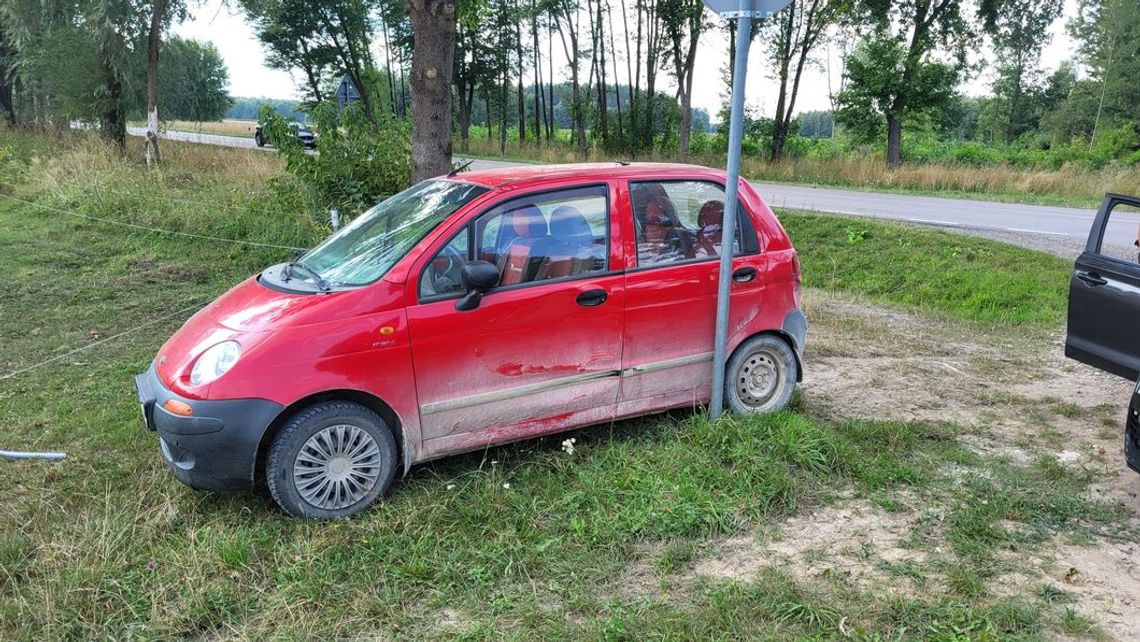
216,448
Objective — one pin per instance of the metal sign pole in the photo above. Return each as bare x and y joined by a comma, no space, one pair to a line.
735,138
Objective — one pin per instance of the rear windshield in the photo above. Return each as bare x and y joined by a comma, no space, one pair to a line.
367,248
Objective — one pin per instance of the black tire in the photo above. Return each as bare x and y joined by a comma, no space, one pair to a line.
760,376
259,139
349,485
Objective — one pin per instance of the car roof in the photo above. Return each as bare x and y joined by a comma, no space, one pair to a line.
522,174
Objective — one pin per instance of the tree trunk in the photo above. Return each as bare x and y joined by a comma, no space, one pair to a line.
894,141
7,105
153,41
521,94
433,25
537,76
686,125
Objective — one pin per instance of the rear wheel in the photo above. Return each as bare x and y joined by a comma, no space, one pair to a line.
761,375
332,460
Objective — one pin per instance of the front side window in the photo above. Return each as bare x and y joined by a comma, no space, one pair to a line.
678,221
367,248
1121,238
547,236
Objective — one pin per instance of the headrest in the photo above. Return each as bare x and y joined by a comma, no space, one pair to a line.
567,222
526,220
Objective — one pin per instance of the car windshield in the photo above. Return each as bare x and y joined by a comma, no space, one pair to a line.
367,248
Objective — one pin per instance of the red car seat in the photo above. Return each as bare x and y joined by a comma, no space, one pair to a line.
524,253
571,249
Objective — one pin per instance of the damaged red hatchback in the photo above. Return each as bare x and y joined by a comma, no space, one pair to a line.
473,310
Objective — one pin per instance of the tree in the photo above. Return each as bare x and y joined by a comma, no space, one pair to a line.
7,77
906,33
566,16
885,87
1020,28
433,27
162,11
320,38
683,21
84,54
193,81
1107,33
791,37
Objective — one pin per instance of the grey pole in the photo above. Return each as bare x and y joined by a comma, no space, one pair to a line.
735,138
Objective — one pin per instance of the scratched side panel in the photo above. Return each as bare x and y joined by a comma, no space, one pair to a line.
516,339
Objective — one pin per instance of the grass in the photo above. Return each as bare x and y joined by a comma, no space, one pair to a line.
1069,186
525,540
930,270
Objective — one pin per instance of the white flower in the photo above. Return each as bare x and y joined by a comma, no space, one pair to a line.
450,486
506,485
568,445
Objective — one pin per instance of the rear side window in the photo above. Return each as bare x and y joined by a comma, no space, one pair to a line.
553,235
678,221
1121,239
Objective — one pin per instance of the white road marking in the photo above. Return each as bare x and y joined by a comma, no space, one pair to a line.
1029,231
933,222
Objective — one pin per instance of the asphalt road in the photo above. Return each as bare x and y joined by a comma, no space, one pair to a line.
1067,226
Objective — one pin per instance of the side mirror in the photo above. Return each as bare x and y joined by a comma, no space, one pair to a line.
477,277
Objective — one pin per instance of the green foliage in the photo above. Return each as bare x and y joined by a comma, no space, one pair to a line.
884,82
193,81
360,163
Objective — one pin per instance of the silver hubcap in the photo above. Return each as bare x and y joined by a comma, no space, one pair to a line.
337,467
757,380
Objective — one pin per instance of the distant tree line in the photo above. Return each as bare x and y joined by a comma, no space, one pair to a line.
97,61
627,69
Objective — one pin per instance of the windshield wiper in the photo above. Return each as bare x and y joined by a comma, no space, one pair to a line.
296,264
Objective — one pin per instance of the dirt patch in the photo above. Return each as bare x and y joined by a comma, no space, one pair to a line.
1012,395
1106,581
855,543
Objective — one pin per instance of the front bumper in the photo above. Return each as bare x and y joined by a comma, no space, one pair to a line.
1132,433
216,447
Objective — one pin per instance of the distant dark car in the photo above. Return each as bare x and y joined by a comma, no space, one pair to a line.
1104,304
307,137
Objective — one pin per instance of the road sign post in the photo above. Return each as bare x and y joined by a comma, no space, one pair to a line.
744,11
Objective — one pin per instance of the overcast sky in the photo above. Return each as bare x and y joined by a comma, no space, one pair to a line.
234,38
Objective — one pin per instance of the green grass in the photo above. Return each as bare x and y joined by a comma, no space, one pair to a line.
930,270
519,541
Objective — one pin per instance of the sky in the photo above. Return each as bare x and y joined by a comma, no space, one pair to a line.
232,35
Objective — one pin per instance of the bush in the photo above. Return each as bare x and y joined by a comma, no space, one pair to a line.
359,162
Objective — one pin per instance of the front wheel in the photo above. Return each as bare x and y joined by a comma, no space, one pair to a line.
761,375
259,139
332,460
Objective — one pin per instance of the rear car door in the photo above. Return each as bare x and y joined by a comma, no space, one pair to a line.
1104,292
671,287
542,351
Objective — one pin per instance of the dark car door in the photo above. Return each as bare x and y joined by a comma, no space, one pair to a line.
1104,293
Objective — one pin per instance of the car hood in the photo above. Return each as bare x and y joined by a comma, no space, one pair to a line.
251,311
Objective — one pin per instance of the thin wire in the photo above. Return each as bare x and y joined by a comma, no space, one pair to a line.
100,341
150,229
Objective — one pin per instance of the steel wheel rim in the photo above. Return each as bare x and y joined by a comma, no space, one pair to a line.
337,467
757,379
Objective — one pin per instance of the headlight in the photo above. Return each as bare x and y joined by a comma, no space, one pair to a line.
215,362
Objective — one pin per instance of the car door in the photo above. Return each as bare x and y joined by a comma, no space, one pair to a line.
1104,292
671,285
542,351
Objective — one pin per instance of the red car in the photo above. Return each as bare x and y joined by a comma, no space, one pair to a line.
474,310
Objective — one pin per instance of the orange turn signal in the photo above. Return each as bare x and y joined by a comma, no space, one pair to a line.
178,407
